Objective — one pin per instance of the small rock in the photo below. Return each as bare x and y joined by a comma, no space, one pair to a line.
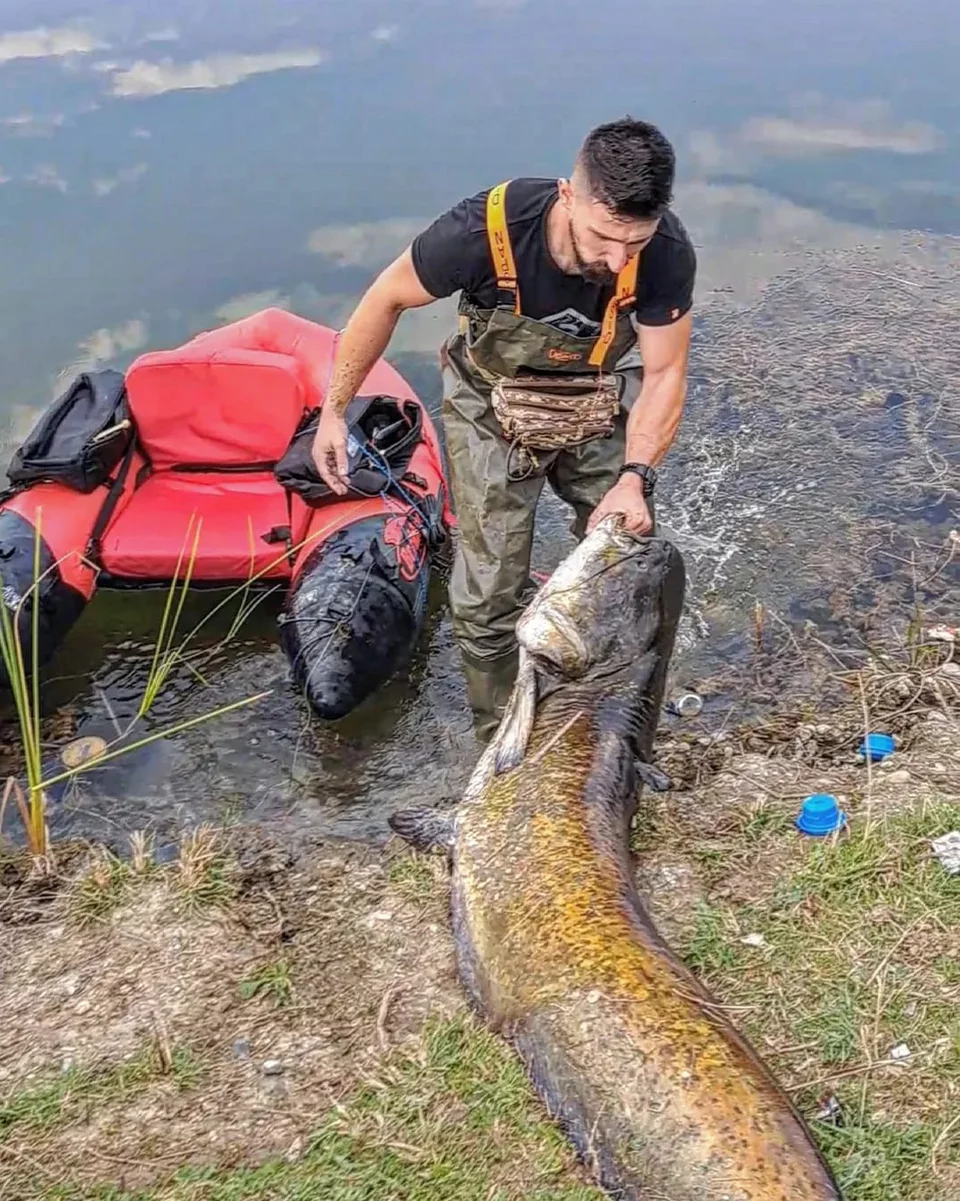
241,1049
754,940
71,985
593,996
66,1064
901,776
273,1067
295,1150
83,1007
910,1009
900,1052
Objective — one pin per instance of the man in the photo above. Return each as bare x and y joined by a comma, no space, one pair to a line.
561,282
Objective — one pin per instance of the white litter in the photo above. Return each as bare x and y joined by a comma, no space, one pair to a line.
947,850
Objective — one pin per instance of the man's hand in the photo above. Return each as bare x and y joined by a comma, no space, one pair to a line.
330,450
626,497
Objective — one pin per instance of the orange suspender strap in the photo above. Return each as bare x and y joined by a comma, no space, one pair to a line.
625,294
500,247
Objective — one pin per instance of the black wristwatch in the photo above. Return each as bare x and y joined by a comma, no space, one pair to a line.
644,471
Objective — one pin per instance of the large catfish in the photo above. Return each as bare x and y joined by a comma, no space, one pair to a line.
658,1092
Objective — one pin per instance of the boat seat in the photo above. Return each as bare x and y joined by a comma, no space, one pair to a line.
227,407
233,512
212,421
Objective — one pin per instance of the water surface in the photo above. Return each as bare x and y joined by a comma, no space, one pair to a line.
161,176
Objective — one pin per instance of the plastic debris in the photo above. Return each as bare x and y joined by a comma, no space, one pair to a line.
688,704
947,850
944,633
878,746
900,1052
754,940
830,1110
820,814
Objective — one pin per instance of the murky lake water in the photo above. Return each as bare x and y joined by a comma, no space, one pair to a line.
163,176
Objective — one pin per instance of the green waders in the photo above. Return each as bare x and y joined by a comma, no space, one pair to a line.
495,492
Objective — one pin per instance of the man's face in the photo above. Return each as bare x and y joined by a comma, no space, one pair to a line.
602,242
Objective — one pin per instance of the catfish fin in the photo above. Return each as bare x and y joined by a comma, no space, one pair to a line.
515,728
654,778
425,829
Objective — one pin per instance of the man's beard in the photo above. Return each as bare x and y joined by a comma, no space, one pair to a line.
596,273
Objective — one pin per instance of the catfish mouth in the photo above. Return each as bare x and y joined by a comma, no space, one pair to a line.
554,656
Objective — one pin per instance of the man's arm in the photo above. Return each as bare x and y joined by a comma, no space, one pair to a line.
655,416
364,339
371,326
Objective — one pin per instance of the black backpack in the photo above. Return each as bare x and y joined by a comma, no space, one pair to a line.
81,437
382,434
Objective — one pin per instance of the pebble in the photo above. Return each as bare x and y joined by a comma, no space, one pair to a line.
273,1067
71,985
910,1009
901,1051
593,996
241,1049
901,776
754,940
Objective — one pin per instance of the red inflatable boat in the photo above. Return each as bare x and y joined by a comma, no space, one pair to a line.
197,460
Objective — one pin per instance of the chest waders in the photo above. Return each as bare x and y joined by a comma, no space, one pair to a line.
497,367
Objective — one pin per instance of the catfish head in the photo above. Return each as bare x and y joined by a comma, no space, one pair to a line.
607,615
615,597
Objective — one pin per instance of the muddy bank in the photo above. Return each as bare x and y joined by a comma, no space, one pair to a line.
257,1017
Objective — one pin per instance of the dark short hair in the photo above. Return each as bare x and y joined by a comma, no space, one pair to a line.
629,167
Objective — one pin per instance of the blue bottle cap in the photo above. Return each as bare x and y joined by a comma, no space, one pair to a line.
820,814
878,746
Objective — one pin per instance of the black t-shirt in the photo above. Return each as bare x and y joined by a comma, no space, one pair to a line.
453,255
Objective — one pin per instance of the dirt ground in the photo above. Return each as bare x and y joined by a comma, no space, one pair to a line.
212,1013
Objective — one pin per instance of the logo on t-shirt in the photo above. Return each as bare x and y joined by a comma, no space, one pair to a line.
572,322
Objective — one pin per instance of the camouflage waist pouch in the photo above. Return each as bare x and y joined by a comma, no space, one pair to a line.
547,413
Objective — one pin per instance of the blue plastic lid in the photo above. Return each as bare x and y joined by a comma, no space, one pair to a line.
820,814
878,746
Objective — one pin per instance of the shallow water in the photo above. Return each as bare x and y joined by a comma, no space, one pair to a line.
816,470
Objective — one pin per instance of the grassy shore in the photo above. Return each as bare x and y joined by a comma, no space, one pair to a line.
249,1022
